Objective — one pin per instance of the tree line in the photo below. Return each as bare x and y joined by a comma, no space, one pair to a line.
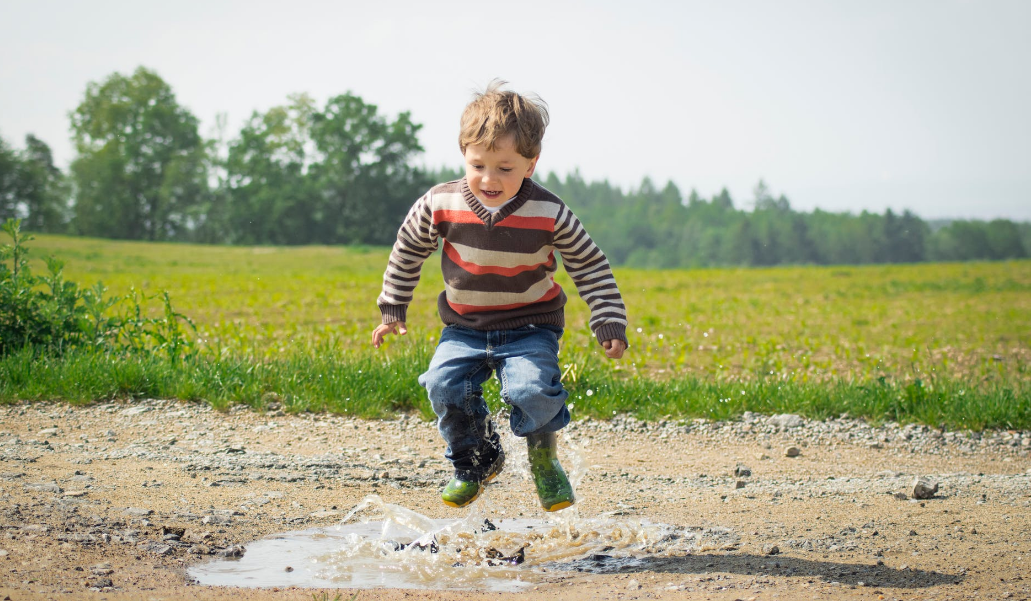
342,173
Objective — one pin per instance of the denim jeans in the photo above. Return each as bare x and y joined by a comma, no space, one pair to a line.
526,361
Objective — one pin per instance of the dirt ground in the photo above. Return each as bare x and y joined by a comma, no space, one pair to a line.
117,501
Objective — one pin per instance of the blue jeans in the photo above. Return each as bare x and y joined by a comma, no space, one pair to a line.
526,360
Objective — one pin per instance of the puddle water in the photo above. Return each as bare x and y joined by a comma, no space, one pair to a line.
381,545
389,546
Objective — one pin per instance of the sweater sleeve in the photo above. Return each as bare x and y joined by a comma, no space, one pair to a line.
416,241
591,273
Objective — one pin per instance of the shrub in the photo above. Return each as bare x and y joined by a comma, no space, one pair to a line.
51,315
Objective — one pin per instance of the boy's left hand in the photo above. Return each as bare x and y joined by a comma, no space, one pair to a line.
614,348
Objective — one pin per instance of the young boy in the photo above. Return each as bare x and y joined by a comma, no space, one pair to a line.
502,308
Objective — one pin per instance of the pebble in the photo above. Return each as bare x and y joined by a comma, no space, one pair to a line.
792,452
99,583
156,548
924,488
786,421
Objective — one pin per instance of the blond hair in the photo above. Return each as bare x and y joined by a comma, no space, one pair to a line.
496,113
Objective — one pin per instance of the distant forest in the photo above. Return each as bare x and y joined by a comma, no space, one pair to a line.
343,174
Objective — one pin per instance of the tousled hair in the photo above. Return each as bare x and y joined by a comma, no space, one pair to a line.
496,113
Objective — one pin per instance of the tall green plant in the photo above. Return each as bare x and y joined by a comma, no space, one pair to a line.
51,314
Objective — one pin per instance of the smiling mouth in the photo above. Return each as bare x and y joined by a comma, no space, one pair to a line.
491,195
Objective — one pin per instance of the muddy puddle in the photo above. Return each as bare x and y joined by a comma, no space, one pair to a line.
381,545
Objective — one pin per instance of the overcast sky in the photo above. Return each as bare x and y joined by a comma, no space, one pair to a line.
845,106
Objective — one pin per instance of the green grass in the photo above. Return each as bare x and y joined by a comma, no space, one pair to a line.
938,344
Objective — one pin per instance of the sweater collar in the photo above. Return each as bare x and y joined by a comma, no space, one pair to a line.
489,219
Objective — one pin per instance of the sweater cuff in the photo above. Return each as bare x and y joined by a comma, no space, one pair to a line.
392,313
611,331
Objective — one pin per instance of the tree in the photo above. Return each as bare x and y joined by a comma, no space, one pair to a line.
361,171
269,194
140,164
31,187
339,175
10,184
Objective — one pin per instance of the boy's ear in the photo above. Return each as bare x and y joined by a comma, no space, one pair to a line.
533,165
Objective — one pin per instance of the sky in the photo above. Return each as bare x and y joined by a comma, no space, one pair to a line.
843,106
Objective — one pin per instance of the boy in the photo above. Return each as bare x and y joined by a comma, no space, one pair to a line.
502,308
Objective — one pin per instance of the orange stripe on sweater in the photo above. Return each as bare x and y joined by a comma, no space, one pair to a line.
455,216
546,224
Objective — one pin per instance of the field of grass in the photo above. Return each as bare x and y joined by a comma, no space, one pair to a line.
940,343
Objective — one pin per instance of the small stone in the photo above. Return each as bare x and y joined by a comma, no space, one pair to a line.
633,585
155,548
771,549
792,452
99,583
232,551
742,471
924,488
901,496
785,421
136,511
740,484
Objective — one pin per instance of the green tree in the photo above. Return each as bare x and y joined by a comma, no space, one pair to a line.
140,165
31,187
362,173
10,182
269,194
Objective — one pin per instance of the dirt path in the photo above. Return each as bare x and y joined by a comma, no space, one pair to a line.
116,501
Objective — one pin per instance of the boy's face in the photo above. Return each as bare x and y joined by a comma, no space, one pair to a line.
495,176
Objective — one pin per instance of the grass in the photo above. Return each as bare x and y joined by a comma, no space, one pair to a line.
942,344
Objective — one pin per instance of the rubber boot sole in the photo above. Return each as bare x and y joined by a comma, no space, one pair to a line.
493,476
558,506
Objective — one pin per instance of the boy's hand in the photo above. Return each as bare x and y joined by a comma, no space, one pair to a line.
614,348
397,327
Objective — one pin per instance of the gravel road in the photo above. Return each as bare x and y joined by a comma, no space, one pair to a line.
116,501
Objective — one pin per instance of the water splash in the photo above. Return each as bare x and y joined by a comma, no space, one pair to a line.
382,545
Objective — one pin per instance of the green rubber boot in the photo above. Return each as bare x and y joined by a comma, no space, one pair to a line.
553,486
459,492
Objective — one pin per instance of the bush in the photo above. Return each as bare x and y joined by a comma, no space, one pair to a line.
51,315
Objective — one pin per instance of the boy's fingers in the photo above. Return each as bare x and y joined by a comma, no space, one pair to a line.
614,348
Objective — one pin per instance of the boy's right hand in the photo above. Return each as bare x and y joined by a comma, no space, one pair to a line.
397,327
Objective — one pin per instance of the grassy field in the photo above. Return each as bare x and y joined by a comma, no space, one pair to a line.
940,343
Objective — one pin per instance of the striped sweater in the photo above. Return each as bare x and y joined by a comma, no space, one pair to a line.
499,269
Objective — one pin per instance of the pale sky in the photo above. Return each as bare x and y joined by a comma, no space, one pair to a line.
845,106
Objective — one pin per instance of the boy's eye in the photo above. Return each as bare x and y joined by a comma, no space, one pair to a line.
506,169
